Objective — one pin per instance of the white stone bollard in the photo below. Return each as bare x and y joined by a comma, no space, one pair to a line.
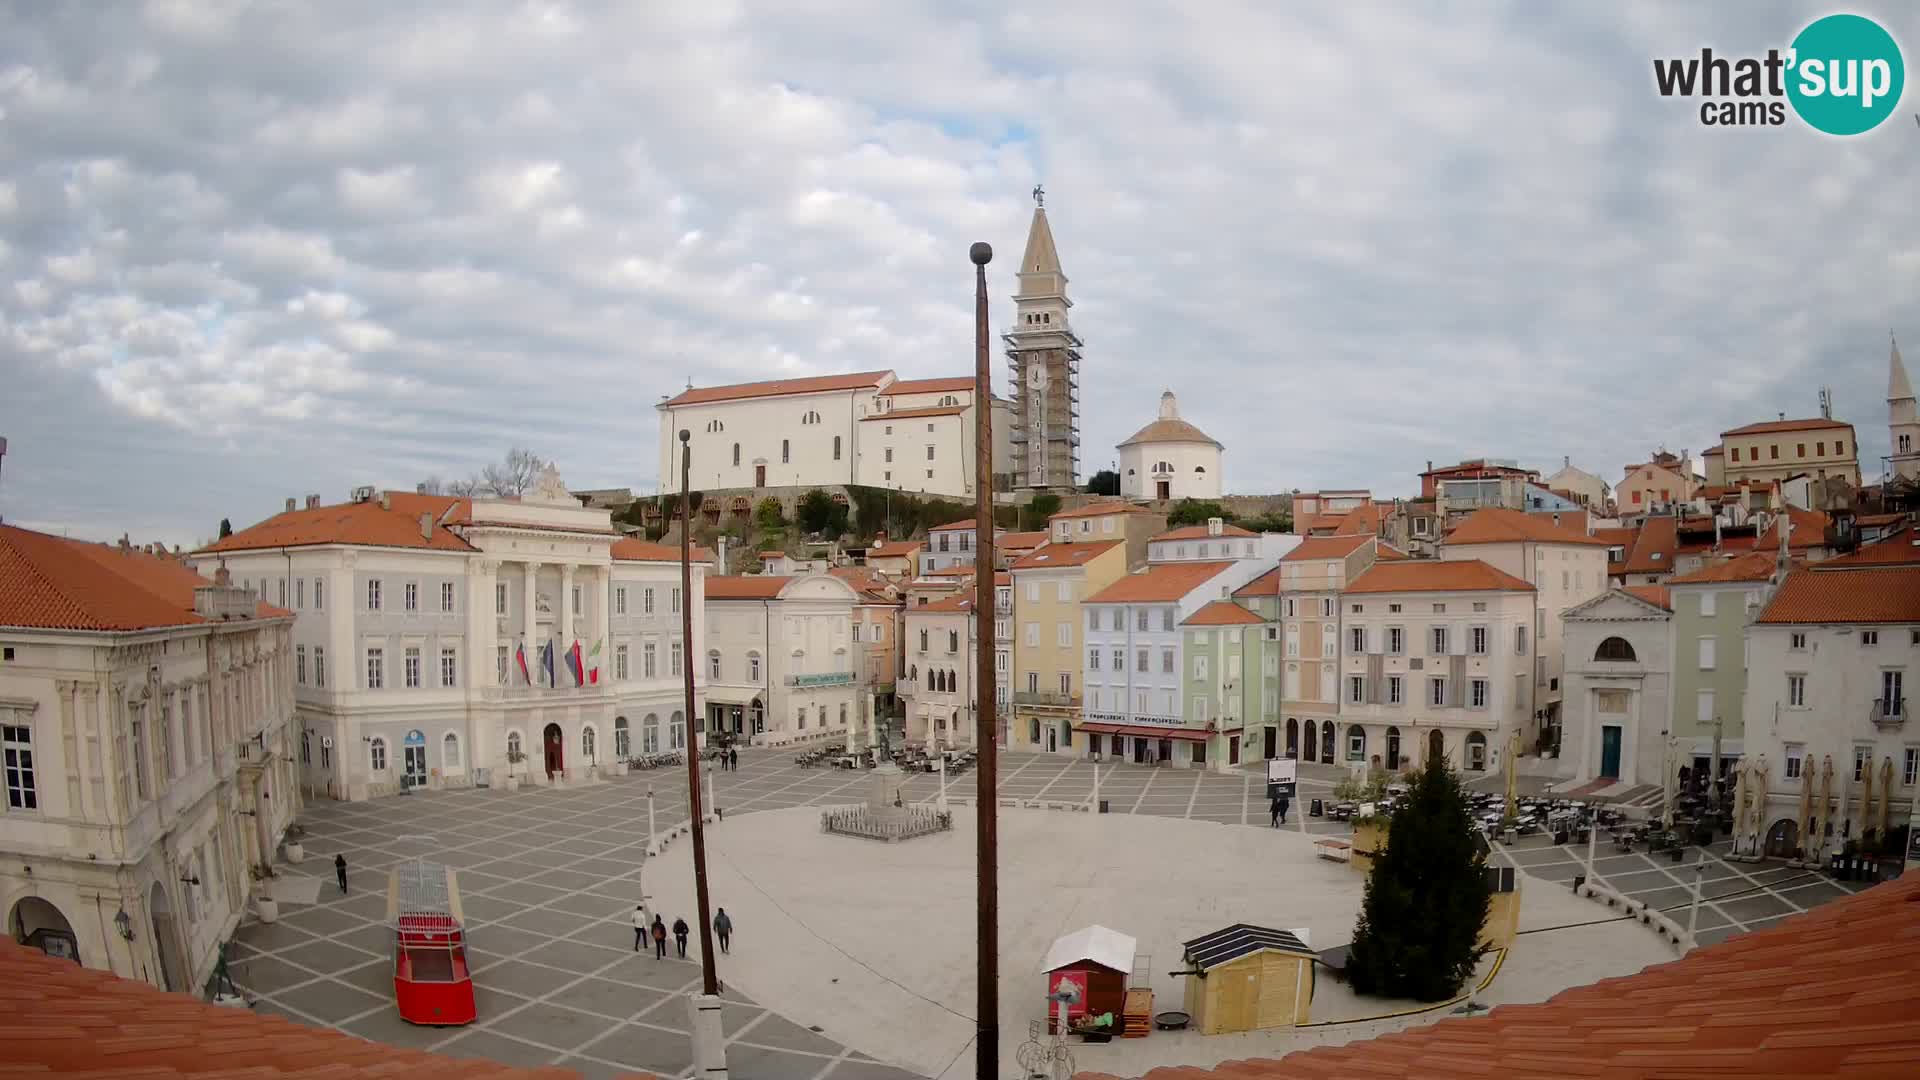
709,1041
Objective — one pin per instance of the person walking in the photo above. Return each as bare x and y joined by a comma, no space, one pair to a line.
659,939
340,870
680,932
723,926
1284,803
639,925
1273,813
733,759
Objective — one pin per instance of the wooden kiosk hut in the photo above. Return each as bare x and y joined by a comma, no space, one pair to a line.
1099,962
1245,978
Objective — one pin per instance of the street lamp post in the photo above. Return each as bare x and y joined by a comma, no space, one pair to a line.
986,804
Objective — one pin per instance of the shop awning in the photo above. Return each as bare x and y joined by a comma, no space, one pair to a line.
1144,731
732,695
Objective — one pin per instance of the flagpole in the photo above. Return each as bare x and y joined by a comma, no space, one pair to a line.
986,734
709,1043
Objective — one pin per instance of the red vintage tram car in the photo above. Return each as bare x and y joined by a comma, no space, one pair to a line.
431,982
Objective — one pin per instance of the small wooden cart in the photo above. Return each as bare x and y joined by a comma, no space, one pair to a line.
431,982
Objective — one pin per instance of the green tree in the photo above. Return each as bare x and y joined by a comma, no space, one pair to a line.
1104,482
768,515
226,528
1419,931
1044,505
816,512
1196,512
1279,522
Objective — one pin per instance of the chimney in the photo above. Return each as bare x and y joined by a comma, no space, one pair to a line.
222,576
386,503
426,526
1215,526
124,546
1783,416
290,504
1566,460
313,502
720,556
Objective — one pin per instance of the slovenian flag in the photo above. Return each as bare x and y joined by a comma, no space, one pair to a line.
575,664
520,655
546,663
593,673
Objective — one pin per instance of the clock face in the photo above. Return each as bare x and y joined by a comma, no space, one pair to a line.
1037,376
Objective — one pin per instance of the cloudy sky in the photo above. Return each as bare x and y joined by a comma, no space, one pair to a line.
251,250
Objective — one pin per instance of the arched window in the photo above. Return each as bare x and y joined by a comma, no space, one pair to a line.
513,745
1476,751
677,732
713,664
1293,737
377,754
450,751
1356,743
843,714
953,641
650,734
622,738
1033,731
923,639
1326,741
588,743
836,448
913,674
753,667
736,455
1199,468
1066,733
1614,648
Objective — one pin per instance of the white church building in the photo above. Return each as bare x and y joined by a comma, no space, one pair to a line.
1170,459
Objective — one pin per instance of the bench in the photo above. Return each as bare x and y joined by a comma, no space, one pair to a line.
1334,850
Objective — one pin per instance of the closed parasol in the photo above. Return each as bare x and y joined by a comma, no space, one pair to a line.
1804,827
1740,795
1759,796
1866,799
1886,796
1823,813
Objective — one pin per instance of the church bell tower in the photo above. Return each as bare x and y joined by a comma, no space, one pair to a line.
1043,358
1903,426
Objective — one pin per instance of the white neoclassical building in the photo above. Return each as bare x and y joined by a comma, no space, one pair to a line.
444,642
779,660
1619,683
1170,459
146,724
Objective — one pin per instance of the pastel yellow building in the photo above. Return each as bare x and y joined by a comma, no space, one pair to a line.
1048,586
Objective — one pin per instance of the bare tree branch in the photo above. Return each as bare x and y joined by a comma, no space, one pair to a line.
514,476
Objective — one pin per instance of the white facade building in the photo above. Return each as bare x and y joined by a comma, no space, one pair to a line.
1434,659
1619,676
424,626
779,657
868,428
1170,459
146,720
942,665
1216,540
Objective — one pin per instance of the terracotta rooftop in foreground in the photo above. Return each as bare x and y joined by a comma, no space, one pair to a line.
1161,583
1834,992
1433,575
1879,594
634,549
362,524
62,1019
746,586
1496,525
52,583
1055,556
893,549
1657,595
1753,566
1896,549
1221,613
1324,547
955,384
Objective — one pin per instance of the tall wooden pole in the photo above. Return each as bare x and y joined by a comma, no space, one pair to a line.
987,733
709,980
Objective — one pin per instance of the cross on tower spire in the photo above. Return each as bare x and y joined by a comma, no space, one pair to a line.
1040,196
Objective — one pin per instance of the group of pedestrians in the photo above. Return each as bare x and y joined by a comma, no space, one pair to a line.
729,759
657,929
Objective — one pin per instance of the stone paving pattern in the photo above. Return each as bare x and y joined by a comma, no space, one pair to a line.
549,878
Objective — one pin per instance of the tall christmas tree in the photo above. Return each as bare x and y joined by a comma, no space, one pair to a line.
1419,930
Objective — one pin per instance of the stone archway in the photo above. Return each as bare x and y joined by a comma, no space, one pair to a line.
36,923
1783,839
553,751
166,940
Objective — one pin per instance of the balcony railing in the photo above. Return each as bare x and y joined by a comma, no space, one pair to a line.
1048,698
534,693
1888,714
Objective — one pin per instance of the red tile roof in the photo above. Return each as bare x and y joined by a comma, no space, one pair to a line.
1496,525
1897,548
1657,595
1389,553
746,586
1199,532
1433,575
952,526
1881,594
1363,520
959,602
1055,556
952,385
1753,566
365,524
1160,583
1830,993
52,583
1770,426
1221,613
1653,550
64,1020
819,384
1267,584
895,549
909,414
1020,541
1809,530
1101,509
1324,547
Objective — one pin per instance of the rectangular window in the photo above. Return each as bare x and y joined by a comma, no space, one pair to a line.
1862,757
1093,619
299,593
1439,641
1290,607
786,451
1703,709
1520,641
412,661
1820,449
500,664
1166,619
1479,689
446,596
621,671
1396,640
1796,754
373,594
1773,451
1437,692
1033,592
1063,633
929,453
1357,638
673,601
500,598
1063,592
1394,691
1797,641
1326,608
646,601
16,750
1140,617
1707,604
1166,662
1910,768
320,665
576,608
1479,641
376,668
1033,634
1356,689
1796,691
1732,450
1093,659
1199,667
449,668
889,453
673,660
713,666
1480,605
650,662
1066,683
1869,637
1706,653
300,664
282,583
620,600
412,592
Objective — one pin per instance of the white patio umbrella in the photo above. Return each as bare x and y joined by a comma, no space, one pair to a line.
1886,794
1670,784
1740,785
1759,795
1823,813
1866,800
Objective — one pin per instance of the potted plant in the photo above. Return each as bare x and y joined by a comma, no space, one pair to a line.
514,757
266,907
296,852
620,767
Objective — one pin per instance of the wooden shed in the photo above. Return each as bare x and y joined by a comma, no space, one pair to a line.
1245,978
1099,962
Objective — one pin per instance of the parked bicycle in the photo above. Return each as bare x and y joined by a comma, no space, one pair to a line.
664,759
